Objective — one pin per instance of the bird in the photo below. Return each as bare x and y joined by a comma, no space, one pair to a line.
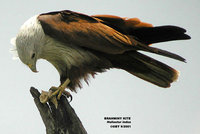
80,46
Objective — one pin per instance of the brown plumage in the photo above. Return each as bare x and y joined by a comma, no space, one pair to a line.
104,41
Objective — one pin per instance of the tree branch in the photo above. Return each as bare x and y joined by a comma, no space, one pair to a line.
62,120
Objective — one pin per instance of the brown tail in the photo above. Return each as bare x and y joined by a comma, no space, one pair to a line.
146,68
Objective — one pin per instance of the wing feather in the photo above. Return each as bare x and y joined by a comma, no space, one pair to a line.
107,33
84,31
123,25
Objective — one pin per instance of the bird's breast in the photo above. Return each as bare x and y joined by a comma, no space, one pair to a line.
64,56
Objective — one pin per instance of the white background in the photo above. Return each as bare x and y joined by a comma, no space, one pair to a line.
153,110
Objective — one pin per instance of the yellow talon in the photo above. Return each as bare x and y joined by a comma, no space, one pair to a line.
44,97
53,91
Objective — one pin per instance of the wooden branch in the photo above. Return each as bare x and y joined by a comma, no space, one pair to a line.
62,120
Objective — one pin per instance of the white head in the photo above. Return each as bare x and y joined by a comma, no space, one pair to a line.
29,42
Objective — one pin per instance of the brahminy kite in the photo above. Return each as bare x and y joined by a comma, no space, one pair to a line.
78,45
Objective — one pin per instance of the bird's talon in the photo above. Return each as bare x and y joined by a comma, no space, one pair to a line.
54,101
71,98
53,88
44,97
61,90
53,92
68,95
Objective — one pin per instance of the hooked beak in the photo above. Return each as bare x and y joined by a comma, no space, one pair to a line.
33,68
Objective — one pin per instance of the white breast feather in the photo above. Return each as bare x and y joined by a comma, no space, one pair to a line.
63,55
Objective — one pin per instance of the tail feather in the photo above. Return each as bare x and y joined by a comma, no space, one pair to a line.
143,35
158,73
150,49
146,68
149,35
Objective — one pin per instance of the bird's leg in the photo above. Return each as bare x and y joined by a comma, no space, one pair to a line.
59,90
62,88
53,91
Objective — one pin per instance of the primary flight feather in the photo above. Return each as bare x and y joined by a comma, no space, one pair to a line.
78,45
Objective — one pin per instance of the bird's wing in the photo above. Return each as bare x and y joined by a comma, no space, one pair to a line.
143,31
105,33
123,25
85,31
